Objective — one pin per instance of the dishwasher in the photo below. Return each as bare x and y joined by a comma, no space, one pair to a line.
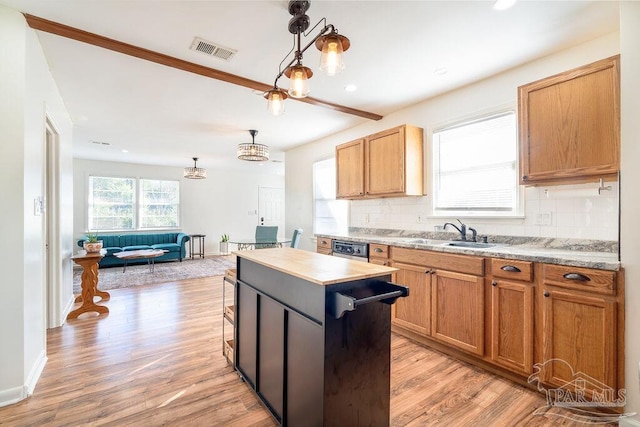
351,250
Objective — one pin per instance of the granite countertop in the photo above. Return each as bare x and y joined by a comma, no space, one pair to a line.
316,268
577,253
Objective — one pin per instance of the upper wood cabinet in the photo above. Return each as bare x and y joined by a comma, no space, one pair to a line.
569,125
388,163
350,169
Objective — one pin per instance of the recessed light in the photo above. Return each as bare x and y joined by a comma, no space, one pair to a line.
503,4
100,143
124,150
440,71
351,87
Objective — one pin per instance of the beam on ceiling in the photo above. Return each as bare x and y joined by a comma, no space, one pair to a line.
117,46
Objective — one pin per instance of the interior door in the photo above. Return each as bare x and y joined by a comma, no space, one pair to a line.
271,208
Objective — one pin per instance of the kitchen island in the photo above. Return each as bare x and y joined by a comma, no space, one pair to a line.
313,336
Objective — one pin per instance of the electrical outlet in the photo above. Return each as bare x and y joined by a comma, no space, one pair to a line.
543,218
366,218
419,219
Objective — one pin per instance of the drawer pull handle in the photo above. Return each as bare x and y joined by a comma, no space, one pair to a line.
511,268
377,250
324,242
576,276
546,294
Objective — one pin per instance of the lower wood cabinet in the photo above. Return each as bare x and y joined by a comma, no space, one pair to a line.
324,246
511,330
414,311
579,340
457,310
559,325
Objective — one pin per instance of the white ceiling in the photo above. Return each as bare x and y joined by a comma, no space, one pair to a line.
166,116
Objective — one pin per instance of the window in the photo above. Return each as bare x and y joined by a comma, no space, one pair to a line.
111,203
330,216
475,168
130,204
159,202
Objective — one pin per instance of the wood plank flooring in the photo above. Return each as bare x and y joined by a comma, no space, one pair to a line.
156,359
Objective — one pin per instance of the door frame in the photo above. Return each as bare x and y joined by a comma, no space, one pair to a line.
51,224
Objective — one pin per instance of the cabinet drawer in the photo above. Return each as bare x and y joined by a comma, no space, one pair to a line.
512,269
586,279
323,242
459,263
378,251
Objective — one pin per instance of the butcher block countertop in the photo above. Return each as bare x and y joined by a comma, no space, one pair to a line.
316,268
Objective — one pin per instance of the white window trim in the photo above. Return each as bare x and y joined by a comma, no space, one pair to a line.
313,212
136,205
519,212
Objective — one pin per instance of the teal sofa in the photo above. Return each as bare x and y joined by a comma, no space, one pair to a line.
174,243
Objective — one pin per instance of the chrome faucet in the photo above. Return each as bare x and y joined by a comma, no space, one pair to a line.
462,230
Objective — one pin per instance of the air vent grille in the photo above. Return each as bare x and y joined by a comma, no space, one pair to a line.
212,49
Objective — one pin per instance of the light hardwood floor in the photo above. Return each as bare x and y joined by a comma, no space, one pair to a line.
156,359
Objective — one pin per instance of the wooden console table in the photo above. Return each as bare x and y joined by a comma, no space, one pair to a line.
89,263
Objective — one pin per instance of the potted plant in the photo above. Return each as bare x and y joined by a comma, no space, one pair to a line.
92,244
224,244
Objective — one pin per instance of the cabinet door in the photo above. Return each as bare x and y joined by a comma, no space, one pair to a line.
414,311
246,332
512,325
271,354
350,170
579,341
570,124
385,153
305,372
457,310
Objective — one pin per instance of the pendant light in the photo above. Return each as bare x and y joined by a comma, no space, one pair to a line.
253,152
195,172
275,101
328,41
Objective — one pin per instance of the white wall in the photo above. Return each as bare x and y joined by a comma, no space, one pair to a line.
630,229
213,206
28,91
594,218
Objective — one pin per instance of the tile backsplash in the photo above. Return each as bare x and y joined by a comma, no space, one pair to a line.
573,212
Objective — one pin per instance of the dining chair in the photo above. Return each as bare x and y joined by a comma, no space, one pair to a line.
295,239
266,236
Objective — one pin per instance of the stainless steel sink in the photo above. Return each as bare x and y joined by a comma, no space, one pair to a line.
465,244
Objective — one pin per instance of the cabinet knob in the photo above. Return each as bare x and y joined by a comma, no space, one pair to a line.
546,294
524,178
494,283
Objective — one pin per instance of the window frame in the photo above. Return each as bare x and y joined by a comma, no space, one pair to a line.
519,210
137,204
315,199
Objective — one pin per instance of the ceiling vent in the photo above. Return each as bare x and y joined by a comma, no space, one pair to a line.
213,49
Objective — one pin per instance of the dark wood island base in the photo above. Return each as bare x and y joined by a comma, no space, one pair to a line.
313,336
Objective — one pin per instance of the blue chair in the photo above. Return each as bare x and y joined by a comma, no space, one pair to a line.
295,239
266,236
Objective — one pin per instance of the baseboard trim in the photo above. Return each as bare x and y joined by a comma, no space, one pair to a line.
628,422
16,394
36,372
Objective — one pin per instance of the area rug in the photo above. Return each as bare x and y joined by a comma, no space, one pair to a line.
135,275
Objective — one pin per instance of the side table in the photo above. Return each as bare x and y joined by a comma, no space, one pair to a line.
200,238
89,263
